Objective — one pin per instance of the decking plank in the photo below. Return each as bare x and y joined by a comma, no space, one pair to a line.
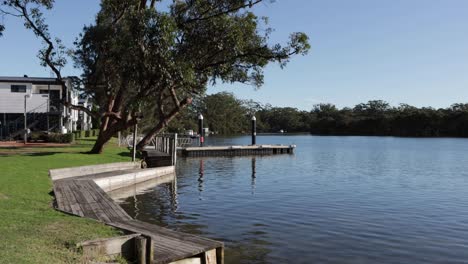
69,193
170,245
83,197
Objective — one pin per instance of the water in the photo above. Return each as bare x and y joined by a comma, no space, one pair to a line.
336,200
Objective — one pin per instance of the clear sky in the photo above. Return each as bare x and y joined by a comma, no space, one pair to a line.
400,51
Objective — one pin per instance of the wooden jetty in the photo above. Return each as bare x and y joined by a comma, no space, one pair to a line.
81,191
161,152
237,150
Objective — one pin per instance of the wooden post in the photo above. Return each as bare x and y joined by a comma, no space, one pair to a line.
254,130
220,255
149,250
174,159
140,243
200,130
134,142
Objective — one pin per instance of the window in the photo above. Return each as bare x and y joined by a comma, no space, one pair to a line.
18,88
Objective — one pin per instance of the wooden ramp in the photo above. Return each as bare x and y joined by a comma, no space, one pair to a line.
82,196
155,158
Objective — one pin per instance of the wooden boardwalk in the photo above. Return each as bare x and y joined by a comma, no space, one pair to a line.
237,150
82,196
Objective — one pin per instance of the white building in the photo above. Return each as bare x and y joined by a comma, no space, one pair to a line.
41,99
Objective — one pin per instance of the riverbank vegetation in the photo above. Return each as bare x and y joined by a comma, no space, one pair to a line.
156,56
226,114
31,230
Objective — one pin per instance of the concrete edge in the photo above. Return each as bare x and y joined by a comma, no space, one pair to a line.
63,173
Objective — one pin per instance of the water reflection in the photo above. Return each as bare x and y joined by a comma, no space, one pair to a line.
162,189
254,172
201,172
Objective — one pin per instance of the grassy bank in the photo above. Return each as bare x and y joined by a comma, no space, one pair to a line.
31,231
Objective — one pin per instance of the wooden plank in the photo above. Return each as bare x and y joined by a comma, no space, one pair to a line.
85,201
188,261
69,193
83,197
105,199
105,204
170,245
209,257
62,201
121,245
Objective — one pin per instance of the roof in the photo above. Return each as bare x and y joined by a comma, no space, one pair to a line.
33,80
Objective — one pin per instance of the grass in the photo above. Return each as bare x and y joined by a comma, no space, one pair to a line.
31,231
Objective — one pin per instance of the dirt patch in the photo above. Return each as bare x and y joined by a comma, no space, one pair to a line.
3,197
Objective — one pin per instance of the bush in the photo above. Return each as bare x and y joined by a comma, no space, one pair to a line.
38,136
87,133
61,138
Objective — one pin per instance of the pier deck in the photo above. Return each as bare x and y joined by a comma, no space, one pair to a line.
84,196
237,150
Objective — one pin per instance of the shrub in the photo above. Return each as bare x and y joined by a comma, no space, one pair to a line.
37,136
61,138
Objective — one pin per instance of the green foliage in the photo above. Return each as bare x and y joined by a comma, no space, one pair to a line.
377,118
60,138
38,136
226,114
139,58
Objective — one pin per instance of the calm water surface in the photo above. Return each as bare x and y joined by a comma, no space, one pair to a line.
336,200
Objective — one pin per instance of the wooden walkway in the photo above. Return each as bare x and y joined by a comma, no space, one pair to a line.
237,150
81,196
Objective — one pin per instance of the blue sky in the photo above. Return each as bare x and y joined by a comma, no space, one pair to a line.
400,51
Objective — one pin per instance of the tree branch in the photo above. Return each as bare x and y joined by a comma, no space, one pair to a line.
82,108
224,12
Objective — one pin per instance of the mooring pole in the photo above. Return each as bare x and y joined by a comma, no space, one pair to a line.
134,142
200,129
254,130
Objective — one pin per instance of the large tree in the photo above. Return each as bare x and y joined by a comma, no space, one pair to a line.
141,56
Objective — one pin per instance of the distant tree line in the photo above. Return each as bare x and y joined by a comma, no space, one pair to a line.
226,114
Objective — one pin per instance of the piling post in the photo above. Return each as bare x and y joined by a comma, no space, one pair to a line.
134,142
174,154
200,129
254,130
140,243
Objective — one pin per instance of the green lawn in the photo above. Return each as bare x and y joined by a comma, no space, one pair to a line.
31,231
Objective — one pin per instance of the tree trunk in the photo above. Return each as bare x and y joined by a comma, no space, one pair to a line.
147,138
163,123
103,138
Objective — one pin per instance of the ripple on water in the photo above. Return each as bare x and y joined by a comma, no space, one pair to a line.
337,200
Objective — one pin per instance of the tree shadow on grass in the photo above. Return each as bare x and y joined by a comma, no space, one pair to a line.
40,154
